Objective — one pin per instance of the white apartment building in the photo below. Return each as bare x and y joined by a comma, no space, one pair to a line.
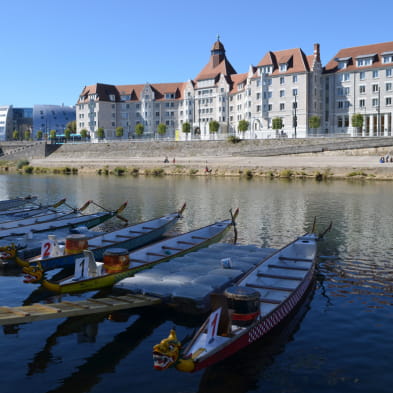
286,84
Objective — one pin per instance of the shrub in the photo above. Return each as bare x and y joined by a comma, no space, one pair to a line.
119,171
286,173
249,174
234,139
193,171
21,163
134,171
157,171
28,169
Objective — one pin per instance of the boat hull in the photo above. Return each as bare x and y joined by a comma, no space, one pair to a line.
262,327
131,244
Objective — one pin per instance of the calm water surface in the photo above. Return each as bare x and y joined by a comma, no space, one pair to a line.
339,341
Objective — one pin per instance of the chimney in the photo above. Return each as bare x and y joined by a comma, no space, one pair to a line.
316,52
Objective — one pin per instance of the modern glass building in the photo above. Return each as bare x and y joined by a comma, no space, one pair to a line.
52,117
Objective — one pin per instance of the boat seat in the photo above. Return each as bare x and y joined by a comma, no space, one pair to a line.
156,254
199,237
172,248
305,269
270,287
284,258
184,242
150,228
125,236
270,301
279,276
109,241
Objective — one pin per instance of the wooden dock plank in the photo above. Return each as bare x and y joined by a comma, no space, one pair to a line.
39,312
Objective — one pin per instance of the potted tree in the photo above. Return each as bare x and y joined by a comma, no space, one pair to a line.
186,128
243,126
357,122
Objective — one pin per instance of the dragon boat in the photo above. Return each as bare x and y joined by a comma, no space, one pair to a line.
118,263
12,203
25,212
248,310
88,220
42,218
128,238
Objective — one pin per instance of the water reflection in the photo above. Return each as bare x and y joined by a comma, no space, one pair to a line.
347,324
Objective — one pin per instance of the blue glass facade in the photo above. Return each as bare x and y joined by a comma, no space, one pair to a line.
52,117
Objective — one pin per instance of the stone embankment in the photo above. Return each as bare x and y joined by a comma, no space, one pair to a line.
333,157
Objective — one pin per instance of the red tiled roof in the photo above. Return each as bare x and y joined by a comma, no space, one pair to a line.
134,91
353,53
295,58
237,79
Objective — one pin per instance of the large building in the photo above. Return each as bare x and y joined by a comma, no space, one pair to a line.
286,84
42,118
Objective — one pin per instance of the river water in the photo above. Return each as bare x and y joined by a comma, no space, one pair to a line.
339,341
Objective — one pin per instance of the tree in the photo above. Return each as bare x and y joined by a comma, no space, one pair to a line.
67,134
139,129
100,133
213,126
243,126
52,134
71,125
84,133
314,122
357,122
119,132
39,135
161,129
186,127
277,123
27,135
15,135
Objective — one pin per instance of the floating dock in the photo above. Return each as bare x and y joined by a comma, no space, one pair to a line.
39,312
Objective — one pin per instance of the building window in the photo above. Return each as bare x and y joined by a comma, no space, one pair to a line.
375,74
375,102
362,76
294,92
388,101
340,104
388,86
362,103
339,122
346,121
387,59
375,88
282,106
258,96
282,93
294,78
282,80
340,91
389,72
269,107
344,77
346,91
362,89
283,67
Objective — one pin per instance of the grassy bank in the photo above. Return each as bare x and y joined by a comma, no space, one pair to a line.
23,167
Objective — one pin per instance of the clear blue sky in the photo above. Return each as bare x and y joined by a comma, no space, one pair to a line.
51,49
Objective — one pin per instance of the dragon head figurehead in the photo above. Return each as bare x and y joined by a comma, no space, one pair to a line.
8,253
33,274
167,354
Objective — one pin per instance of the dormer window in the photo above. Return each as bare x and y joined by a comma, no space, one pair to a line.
92,97
169,96
365,60
387,57
267,69
342,62
112,97
283,67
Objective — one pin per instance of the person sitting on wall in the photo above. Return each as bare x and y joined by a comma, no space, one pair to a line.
207,170
166,160
381,160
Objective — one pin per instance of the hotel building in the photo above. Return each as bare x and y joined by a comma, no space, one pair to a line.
286,84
